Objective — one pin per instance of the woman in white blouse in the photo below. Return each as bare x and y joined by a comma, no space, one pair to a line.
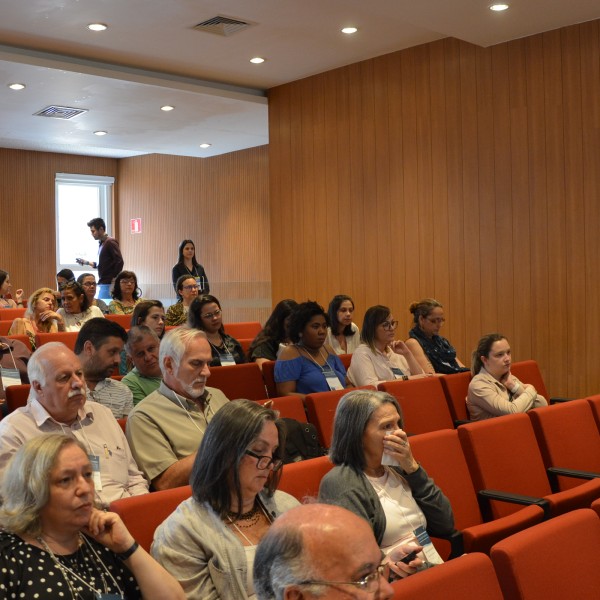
76,309
342,334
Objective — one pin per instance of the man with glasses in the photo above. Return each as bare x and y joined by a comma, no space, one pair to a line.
165,429
88,283
320,551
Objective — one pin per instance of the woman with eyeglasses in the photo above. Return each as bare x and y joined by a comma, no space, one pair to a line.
381,358
208,543
205,314
88,282
188,265
433,352
187,291
76,309
126,294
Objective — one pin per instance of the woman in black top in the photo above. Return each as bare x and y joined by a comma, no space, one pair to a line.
188,265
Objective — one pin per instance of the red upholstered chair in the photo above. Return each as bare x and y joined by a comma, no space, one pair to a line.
502,454
596,506
245,344
123,320
423,404
555,560
469,577
594,402
568,439
455,389
441,455
10,314
123,424
21,338
16,396
143,514
302,479
289,407
346,360
68,338
238,381
528,371
5,325
268,374
246,330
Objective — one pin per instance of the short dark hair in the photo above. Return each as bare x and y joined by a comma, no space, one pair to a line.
195,312
352,414
332,311
116,292
183,244
301,316
83,276
78,291
98,223
66,274
97,330
215,474
141,310
179,285
484,347
374,317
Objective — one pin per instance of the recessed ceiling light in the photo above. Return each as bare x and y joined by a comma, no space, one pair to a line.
16,86
499,7
349,30
167,107
205,145
97,26
100,132
257,60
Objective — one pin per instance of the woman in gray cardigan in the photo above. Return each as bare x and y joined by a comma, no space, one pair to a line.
208,543
377,477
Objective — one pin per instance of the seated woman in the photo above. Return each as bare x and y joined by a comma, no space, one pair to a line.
308,365
380,358
150,313
126,294
54,544
433,352
205,314
274,336
377,477
5,287
494,390
41,316
188,265
208,543
76,309
187,290
88,282
343,335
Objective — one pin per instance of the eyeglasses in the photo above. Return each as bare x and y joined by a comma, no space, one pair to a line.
189,288
89,284
436,321
389,325
369,583
216,313
127,281
264,462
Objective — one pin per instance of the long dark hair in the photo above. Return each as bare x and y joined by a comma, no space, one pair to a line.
181,247
332,311
195,312
3,276
274,329
141,310
116,293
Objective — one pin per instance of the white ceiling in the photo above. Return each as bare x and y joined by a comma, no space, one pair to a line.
151,56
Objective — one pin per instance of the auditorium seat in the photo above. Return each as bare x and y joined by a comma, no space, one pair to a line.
238,381
143,514
21,338
302,479
5,326
268,373
502,454
423,404
246,330
10,314
16,396
455,389
123,320
67,338
346,359
528,371
554,560
289,407
123,424
594,402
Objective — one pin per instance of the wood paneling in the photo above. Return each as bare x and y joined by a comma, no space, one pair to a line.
446,170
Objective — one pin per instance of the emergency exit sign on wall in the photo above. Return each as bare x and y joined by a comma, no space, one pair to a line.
136,226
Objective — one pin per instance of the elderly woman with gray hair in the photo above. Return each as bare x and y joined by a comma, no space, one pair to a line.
55,544
377,477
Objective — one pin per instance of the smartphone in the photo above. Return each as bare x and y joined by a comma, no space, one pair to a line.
406,559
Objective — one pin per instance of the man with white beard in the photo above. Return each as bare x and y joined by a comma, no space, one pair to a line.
165,429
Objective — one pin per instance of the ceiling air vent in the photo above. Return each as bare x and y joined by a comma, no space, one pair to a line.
221,25
60,112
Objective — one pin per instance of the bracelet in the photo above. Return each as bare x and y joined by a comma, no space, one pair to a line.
125,555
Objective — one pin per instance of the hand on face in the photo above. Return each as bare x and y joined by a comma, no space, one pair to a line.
399,347
397,446
109,530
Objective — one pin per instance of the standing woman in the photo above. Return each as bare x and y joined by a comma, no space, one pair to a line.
5,287
126,294
205,314
76,309
343,335
188,265
433,352
187,290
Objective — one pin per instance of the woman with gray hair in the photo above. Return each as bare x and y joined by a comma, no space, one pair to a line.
208,543
377,477
55,544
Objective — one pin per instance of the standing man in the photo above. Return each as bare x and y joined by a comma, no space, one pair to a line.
110,261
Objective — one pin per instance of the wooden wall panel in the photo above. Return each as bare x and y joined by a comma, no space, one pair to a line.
468,174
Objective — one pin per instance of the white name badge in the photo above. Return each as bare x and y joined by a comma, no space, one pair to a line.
226,359
10,377
95,462
397,373
332,379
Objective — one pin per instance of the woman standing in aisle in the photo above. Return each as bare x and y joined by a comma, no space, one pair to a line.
188,265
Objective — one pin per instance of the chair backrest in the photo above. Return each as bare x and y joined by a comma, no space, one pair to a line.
16,396
557,559
123,320
594,402
468,577
289,407
123,424
268,373
68,338
528,371
568,437
10,314
249,329
423,404
5,325
245,344
21,338
346,360
239,381
302,479
502,454
455,389
143,514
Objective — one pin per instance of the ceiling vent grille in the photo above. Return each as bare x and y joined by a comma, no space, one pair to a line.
221,25
60,112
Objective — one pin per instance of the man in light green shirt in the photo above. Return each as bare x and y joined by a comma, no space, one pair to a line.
142,347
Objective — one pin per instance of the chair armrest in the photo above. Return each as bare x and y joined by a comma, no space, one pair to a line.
458,422
487,495
559,400
554,472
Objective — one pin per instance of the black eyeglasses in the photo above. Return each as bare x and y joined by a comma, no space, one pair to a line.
369,583
264,462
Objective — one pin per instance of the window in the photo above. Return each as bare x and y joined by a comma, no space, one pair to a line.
80,198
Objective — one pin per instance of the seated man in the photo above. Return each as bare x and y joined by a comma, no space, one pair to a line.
166,428
142,348
320,551
57,404
98,346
